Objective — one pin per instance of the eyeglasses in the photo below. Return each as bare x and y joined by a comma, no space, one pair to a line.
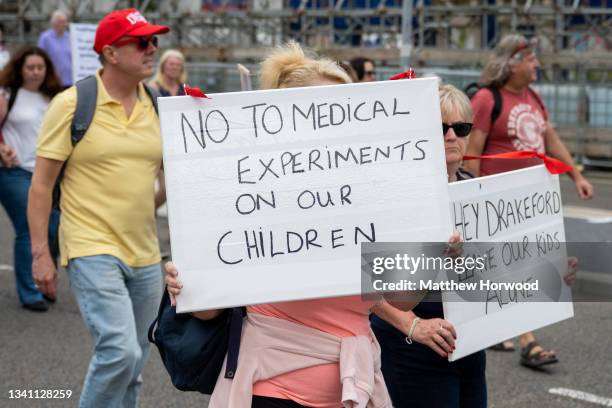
141,42
462,129
369,73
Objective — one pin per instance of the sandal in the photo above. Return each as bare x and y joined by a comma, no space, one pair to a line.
536,359
507,345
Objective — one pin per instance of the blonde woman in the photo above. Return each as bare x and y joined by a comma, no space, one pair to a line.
170,74
291,353
416,344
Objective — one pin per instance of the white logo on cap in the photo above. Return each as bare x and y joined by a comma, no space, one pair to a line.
135,17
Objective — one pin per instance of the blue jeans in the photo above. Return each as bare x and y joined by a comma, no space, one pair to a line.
417,377
117,303
14,187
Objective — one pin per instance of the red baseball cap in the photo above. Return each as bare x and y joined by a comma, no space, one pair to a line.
119,23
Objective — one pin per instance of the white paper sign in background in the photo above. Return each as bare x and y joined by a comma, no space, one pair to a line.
271,192
84,59
523,206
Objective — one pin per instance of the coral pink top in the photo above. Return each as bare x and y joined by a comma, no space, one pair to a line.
317,386
521,125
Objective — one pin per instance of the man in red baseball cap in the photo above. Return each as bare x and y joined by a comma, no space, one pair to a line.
108,234
122,23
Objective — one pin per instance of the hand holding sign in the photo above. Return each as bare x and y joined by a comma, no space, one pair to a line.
517,222
270,193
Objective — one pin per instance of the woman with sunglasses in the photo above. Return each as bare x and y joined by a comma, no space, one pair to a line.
415,345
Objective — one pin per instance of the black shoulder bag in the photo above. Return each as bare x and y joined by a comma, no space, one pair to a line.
192,349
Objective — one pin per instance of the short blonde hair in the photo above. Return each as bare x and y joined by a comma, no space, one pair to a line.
453,100
289,66
169,54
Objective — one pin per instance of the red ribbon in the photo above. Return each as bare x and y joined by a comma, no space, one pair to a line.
195,92
553,166
409,74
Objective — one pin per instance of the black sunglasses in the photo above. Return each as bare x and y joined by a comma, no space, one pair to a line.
141,42
462,129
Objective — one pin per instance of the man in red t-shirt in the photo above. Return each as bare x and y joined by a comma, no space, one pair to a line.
522,124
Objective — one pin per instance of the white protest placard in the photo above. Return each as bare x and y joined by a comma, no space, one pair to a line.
271,192
518,217
84,59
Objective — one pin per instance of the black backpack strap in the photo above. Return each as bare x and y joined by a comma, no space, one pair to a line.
153,94
497,103
86,98
87,95
233,344
471,89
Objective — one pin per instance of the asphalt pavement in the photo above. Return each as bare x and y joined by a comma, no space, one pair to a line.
51,351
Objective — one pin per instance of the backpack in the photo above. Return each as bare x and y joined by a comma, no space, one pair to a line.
473,88
193,350
87,94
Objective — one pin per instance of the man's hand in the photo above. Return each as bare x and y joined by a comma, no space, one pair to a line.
44,274
39,208
556,149
583,188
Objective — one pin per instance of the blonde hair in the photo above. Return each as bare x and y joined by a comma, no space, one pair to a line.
289,66
453,100
506,54
169,54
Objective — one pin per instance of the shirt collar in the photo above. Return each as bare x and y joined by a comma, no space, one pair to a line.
104,98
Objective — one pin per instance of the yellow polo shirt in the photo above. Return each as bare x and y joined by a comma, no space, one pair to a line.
107,200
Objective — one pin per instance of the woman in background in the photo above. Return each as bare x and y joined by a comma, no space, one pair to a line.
415,345
27,84
171,74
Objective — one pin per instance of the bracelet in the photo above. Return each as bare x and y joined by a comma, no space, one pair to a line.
411,331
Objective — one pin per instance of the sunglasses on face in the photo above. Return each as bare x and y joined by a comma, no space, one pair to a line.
369,73
462,129
141,42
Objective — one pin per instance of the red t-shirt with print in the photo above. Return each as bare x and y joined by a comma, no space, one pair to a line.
520,126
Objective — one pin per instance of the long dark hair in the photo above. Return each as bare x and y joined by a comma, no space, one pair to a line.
11,77
358,64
